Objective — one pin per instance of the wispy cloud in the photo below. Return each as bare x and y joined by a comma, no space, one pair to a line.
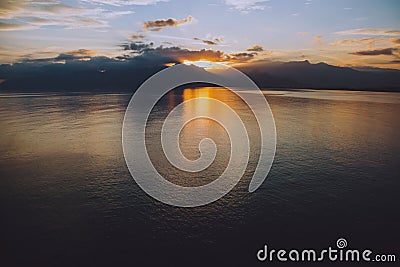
158,25
246,5
39,14
214,41
355,42
124,2
136,47
12,27
318,38
371,32
77,54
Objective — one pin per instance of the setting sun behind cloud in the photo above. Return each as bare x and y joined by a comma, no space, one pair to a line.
206,64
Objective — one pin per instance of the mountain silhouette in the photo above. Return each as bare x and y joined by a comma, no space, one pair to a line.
107,74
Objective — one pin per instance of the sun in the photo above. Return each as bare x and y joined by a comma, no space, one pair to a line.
206,64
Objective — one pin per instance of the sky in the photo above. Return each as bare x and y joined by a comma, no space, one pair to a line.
343,33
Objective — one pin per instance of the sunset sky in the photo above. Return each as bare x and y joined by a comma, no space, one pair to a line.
340,32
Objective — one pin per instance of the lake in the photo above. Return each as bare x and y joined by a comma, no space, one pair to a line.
68,199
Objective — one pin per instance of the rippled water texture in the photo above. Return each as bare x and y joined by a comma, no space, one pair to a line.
67,197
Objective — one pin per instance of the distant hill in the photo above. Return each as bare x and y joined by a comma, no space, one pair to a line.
106,74
303,74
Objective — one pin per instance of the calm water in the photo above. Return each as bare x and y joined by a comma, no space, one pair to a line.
67,198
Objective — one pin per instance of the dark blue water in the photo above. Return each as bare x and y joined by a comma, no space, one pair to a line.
67,198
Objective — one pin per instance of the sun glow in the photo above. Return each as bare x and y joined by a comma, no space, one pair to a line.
206,64
169,64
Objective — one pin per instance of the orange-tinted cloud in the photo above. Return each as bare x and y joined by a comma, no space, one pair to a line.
180,54
318,38
396,41
370,31
354,42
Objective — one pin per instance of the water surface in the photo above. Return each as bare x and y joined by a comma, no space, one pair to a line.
67,197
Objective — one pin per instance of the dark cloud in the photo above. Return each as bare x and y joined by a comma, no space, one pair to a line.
136,47
77,54
209,42
256,48
241,57
385,51
39,13
396,41
65,56
180,54
158,25
318,38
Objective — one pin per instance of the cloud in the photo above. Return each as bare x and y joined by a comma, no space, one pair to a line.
302,33
215,41
318,39
124,2
396,41
179,54
49,57
7,8
355,42
158,25
241,57
246,6
385,51
370,31
136,47
137,36
40,13
76,54
255,48
11,26
82,52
